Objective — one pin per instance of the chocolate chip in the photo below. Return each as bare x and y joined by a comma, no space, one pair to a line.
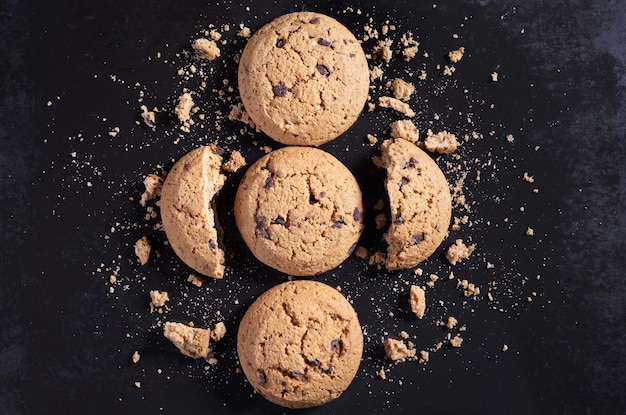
412,162
280,90
334,316
281,221
262,378
403,181
335,345
219,151
263,233
323,42
357,214
260,221
336,225
212,245
352,55
322,70
312,199
417,239
295,373
280,43
315,20
398,220
322,194
186,166
269,182
314,362
328,371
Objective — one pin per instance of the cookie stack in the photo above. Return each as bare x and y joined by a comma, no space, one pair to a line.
304,80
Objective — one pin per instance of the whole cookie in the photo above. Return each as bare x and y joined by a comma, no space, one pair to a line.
300,344
303,78
299,210
420,201
187,213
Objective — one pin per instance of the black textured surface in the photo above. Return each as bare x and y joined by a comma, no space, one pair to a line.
65,343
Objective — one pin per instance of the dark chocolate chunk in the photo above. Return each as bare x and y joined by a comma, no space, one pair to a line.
323,42
357,214
281,221
269,182
186,166
328,371
336,225
322,70
260,226
280,43
352,55
398,220
412,162
315,20
262,378
219,151
312,199
335,345
295,373
403,181
322,194
314,362
417,238
212,245
353,246
280,90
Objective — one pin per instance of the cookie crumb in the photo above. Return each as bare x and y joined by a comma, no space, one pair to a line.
143,248
234,163
149,117
153,184
456,55
380,220
405,129
396,105
528,178
530,231
372,139
136,357
402,90
244,31
158,299
219,331
451,322
456,341
424,356
510,138
206,49
494,77
138,385
381,374
459,251
469,289
383,51
505,347
361,252
195,280
417,300
376,73
184,106
397,350
448,70
190,341
443,142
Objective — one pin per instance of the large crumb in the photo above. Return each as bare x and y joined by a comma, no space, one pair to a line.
443,142
397,105
397,349
190,341
149,117
405,129
195,280
153,184
184,106
143,248
402,90
459,251
417,299
219,331
234,163
456,341
158,299
456,55
383,50
206,49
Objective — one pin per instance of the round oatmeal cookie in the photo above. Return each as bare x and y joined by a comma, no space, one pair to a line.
420,201
299,210
303,78
187,211
300,344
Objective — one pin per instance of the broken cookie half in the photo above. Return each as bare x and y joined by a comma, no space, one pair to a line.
420,202
187,210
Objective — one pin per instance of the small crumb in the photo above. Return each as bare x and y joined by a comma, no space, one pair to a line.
528,178
505,348
149,117
153,184
456,341
423,75
183,109
383,51
404,335
206,49
136,357
402,90
244,31
361,252
381,220
190,341
397,350
530,231
448,70
451,322
405,129
469,289
417,300
381,374
143,248
424,356
379,205
376,73
219,331
456,55
195,280
494,77
372,139
138,385
397,105
510,138
443,142
459,251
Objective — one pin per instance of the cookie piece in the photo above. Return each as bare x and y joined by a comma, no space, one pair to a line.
420,201
190,341
299,210
187,212
300,344
303,78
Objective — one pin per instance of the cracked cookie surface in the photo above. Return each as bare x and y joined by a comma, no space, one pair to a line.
187,213
420,201
300,344
303,78
299,210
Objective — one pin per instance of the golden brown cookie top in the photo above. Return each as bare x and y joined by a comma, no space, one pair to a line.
299,210
303,78
300,344
420,201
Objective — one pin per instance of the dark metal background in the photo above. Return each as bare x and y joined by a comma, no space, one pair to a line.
65,344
